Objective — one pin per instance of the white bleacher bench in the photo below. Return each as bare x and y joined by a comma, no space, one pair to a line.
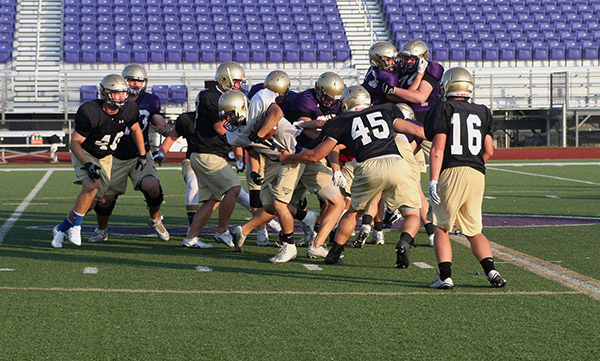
38,149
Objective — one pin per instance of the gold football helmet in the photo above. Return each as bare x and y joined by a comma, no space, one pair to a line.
229,71
456,82
113,83
412,52
135,72
278,81
233,105
355,96
406,111
329,88
380,55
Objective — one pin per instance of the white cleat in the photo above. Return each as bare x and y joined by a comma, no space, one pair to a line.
308,225
238,238
225,238
262,238
431,240
195,243
316,252
274,225
287,253
99,235
443,285
74,234
362,236
378,237
57,237
160,229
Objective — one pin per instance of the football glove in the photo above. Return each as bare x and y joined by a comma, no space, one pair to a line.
93,170
339,180
387,89
422,66
141,162
253,136
240,166
159,157
433,192
256,178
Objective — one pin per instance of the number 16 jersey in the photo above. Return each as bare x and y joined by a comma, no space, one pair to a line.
466,126
367,133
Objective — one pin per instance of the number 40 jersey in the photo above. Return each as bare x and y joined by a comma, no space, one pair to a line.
466,126
368,133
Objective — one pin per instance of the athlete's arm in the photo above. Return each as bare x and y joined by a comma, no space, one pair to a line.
334,157
310,156
488,147
437,156
160,125
418,96
76,141
274,114
404,127
138,138
170,138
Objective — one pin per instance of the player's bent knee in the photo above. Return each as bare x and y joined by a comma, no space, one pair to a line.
255,199
156,200
105,209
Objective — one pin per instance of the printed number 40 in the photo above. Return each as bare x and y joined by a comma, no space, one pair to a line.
377,125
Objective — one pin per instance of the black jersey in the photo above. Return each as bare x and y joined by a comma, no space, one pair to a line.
466,126
103,131
148,104
184,126
207,115
368,133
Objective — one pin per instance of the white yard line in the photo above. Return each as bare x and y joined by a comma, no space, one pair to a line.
21,208
544,176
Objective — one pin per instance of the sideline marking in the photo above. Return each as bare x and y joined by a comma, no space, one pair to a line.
203,269
573,280
312,267
422,265
552,197
21,208
90,270
544,176
6,269
301,293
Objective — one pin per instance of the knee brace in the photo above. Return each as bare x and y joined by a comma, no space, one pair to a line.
105,211
153,202
255,199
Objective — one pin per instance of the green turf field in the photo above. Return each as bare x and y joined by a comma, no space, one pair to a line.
146,299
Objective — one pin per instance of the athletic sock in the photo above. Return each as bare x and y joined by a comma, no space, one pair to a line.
445,270
190,215
429,228
367,219
336,248
77,218
65,224
286,238
378,226
405,236
487,264
244,199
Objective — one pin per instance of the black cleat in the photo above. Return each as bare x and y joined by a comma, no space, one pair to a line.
402,255
495,279
335,254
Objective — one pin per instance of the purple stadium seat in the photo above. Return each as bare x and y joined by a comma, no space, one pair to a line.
208,53
140,53
88,93
540,51
106,53
457,52
179,93
191,53
308,52
325,51
89,53
342,53
274,53
174,53
123,53
475,52
590,50
574,51
258,52
557,51
5,53
491,52
162,92
291,53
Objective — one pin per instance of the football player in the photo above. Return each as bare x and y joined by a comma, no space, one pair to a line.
462,142
267,131
99,126
311,109
368,133
218,184
124,162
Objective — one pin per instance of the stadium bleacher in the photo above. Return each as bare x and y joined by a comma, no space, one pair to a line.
8,11
153,31
459,30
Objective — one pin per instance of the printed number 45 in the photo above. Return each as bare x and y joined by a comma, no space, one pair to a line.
377,126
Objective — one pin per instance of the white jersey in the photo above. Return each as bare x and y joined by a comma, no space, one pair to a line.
285,135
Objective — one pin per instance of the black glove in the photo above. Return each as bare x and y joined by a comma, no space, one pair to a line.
387,89
253,136
256,178
159,157
93,170
141,162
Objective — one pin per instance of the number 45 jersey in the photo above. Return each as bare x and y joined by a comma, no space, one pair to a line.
466,126
367,133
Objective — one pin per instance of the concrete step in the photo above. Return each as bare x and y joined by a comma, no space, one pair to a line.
39,101
41,69
56,29
42,58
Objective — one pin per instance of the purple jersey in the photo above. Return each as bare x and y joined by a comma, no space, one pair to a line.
433,74
149,105
306,105
373,80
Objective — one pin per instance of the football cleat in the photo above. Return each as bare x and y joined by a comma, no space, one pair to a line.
58,237
402,255
262,238
378,237
194,243
334,256
74,234
444,285
274,225
308,225
160,229
316,252
495,279
238,238
99,235
225,238
431,240
390,218
362,236
287,252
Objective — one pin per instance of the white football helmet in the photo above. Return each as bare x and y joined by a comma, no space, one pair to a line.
412,53
355,96
406,111
114,83
279,82
380,55
229,71
456,82
329,88
135,72
233,105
